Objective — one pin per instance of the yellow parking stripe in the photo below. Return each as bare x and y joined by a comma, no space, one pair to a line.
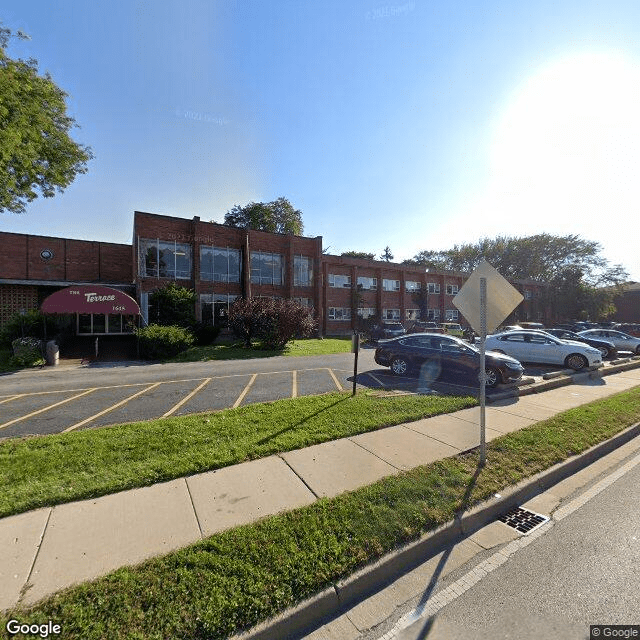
382,384
294,384
188,397
111,408
245,391
333,375
11,398
39,411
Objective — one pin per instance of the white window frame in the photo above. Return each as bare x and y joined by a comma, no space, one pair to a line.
433,287
412,285
412,314
366,312
213,276
391,314
302,266
452,289
390,285
344,279
367,284
343,312
157,244
273,279
527,295
433,314
451,315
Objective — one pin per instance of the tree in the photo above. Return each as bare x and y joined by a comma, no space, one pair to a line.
359,254
278,216
387,255
173,305
36,151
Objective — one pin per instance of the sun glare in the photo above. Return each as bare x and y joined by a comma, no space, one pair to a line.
566,148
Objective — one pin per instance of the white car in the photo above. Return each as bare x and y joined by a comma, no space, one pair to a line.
538,346
623,341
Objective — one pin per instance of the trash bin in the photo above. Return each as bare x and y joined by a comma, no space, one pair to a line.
53,353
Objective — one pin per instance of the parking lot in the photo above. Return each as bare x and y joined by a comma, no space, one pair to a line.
100,401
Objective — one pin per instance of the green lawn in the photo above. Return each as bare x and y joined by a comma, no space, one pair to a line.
52,469
235,351
237,578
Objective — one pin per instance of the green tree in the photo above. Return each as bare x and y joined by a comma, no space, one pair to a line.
386,254
359,254
173,305
36,151
278,216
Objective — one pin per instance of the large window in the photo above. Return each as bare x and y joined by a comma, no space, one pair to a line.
412,285
391,285
412,314
336,280
100,323
215,308
219,264
160,259
367,284
366,312
267,268
433,287
302,271
337,313
391,314
451,315
433,314
452,289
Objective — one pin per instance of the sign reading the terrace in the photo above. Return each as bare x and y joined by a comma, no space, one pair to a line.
90,299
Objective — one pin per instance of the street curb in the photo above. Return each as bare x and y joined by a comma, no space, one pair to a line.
336,600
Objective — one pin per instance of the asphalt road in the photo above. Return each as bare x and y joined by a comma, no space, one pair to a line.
49,400
585,570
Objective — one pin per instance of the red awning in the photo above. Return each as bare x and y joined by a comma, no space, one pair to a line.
90,299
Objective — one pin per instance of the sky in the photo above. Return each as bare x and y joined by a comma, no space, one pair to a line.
412,124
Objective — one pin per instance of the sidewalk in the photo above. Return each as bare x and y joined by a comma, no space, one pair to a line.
49,549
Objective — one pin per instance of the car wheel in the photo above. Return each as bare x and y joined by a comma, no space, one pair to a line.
576,361
492,377
638,350
399,366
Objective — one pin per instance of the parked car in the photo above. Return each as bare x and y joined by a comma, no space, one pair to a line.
623,341
446,357
607,349
532,325
452,328
422,326
385,330
629,328
529,345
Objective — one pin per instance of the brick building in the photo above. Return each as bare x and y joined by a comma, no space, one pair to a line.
223,263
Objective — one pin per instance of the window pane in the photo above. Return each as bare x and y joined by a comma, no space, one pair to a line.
99,323
234,265
84,323
115,323
206,263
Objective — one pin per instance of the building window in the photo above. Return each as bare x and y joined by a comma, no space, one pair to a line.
433,314
452,289
214,308
101,323
391,314
340,281
451,315
391,285
367,284
305,302
412,285
366,312
338,313
267,268
433,287
527,295
219,264
302,271
412,314
159,259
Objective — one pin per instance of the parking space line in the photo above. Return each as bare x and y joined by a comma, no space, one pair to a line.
11,398
382,384
333,375
39,411
186,398
294,384
111,408
245,391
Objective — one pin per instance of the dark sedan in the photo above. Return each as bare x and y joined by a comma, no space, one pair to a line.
440,357
386,330
606,348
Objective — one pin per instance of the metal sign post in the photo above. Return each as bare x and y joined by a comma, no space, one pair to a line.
483,377
355,348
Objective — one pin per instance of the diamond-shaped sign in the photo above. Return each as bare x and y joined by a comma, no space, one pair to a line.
502,297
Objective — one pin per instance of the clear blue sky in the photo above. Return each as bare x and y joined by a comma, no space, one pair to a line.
417,124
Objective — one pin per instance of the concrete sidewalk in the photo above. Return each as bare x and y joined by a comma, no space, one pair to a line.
48,549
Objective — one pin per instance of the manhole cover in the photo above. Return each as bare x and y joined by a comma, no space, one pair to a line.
522,520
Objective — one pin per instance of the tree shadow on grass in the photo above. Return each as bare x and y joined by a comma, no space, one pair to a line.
298,424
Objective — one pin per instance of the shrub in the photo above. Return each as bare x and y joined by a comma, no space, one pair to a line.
32,324
273,321
158,342
26,353
173,306
206,334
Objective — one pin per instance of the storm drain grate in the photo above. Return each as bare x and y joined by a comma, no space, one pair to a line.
522,520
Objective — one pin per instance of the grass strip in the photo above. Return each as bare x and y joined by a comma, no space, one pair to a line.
240,577
235,351
49,470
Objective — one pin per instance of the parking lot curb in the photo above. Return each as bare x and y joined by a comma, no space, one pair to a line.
339,598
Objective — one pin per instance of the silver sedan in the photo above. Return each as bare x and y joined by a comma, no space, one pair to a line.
623,341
